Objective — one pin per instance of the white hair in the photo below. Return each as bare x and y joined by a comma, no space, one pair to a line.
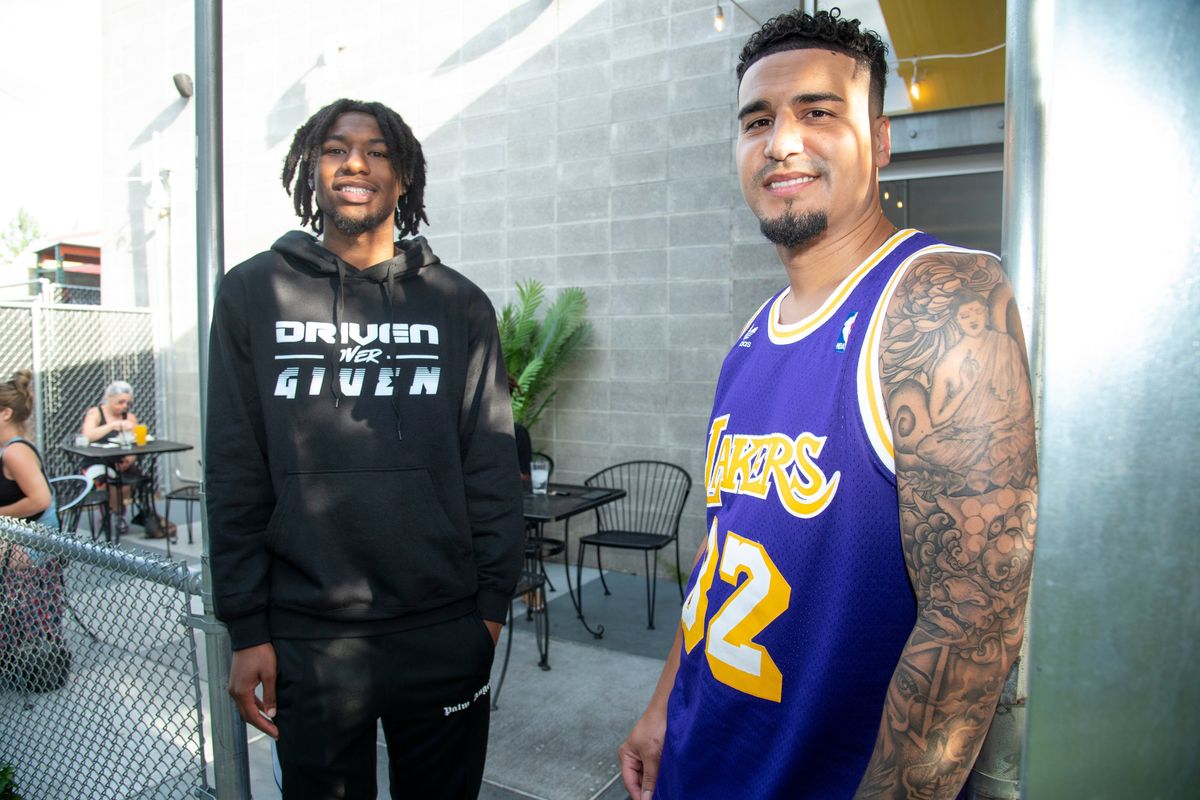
118,387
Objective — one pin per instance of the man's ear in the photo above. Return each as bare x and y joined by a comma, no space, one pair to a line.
881,141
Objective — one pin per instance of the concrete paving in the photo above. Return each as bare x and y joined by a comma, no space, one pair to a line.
555,734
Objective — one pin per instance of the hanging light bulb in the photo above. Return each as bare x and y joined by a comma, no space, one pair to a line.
914,86
719,19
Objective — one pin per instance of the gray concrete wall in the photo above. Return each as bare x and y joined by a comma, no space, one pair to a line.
580,142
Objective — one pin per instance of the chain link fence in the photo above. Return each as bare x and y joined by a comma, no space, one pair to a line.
100,692
75,352
70,294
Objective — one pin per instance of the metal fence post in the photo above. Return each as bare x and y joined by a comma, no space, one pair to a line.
231,765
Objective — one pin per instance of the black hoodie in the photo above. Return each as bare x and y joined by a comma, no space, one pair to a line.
361,475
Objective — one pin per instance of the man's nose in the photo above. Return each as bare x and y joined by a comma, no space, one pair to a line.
787,139
355,161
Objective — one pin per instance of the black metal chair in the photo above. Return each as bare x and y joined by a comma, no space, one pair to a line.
531,584
72,494
97,502
188,492
111,484
646,519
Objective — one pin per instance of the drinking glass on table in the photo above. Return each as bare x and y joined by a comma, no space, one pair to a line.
539,475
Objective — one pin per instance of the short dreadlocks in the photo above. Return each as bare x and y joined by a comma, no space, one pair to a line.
404,151
796,30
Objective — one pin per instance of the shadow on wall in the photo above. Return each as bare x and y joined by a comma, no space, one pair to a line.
162,122
291,110
495,35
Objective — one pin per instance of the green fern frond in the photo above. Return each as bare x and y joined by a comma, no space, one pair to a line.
534,350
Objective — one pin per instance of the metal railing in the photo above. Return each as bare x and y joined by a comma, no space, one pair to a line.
100,684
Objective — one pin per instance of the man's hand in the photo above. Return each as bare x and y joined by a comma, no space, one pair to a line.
251,667
641,753
494,630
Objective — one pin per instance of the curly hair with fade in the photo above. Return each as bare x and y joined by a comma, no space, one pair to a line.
826,30
404,151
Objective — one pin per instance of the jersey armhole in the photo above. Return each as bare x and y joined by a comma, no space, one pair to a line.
873,413
754,316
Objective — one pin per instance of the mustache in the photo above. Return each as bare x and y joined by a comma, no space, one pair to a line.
814,167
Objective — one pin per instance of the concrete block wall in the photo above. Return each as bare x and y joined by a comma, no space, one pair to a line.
579,142
606,162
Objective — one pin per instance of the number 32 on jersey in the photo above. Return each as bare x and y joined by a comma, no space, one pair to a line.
764,594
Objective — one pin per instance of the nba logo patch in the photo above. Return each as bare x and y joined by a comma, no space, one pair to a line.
845,335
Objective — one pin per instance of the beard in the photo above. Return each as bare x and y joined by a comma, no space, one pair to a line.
794,230
355,226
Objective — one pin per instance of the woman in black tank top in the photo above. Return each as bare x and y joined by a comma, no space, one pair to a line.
111,418
24,491
106,422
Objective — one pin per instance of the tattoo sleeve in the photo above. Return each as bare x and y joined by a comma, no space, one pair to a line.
956,384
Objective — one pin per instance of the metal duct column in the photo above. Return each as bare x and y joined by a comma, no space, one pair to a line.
1114,701
997,771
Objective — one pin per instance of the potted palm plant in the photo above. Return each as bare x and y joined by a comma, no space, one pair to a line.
536,349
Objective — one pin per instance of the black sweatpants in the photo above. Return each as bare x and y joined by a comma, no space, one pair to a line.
429,687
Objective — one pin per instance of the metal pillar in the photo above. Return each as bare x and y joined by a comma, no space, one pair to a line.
231,765
1114,703
997,771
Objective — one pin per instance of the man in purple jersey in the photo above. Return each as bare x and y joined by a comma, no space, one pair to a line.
940,416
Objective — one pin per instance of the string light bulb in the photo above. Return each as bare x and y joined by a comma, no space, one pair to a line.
719,19
914,86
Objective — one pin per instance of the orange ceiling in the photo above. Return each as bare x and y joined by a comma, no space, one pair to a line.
931,27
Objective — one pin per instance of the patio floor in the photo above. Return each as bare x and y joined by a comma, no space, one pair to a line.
556,732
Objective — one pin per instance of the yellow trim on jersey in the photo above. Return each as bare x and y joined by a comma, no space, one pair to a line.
786,334
871,405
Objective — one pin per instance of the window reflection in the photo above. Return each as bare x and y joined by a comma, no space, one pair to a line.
958,209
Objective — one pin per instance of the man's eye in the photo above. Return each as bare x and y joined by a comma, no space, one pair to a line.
818,113
333,151
761,122
378,154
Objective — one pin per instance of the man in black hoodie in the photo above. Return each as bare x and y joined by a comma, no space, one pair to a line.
363,504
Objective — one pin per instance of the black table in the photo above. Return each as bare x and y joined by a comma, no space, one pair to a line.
108,453
559,504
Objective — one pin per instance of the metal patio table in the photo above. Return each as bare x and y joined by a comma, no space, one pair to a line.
111,453
561,502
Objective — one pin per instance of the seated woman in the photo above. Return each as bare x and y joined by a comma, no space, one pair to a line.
108,422
111,419
24,491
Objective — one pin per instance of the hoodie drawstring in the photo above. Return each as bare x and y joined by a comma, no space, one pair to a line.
388,287
339,307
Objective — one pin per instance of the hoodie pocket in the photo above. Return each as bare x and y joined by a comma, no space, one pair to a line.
366,544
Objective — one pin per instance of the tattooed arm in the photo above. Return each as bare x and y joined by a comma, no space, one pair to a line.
957,387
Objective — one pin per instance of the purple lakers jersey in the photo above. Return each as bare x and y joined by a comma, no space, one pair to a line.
798,610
